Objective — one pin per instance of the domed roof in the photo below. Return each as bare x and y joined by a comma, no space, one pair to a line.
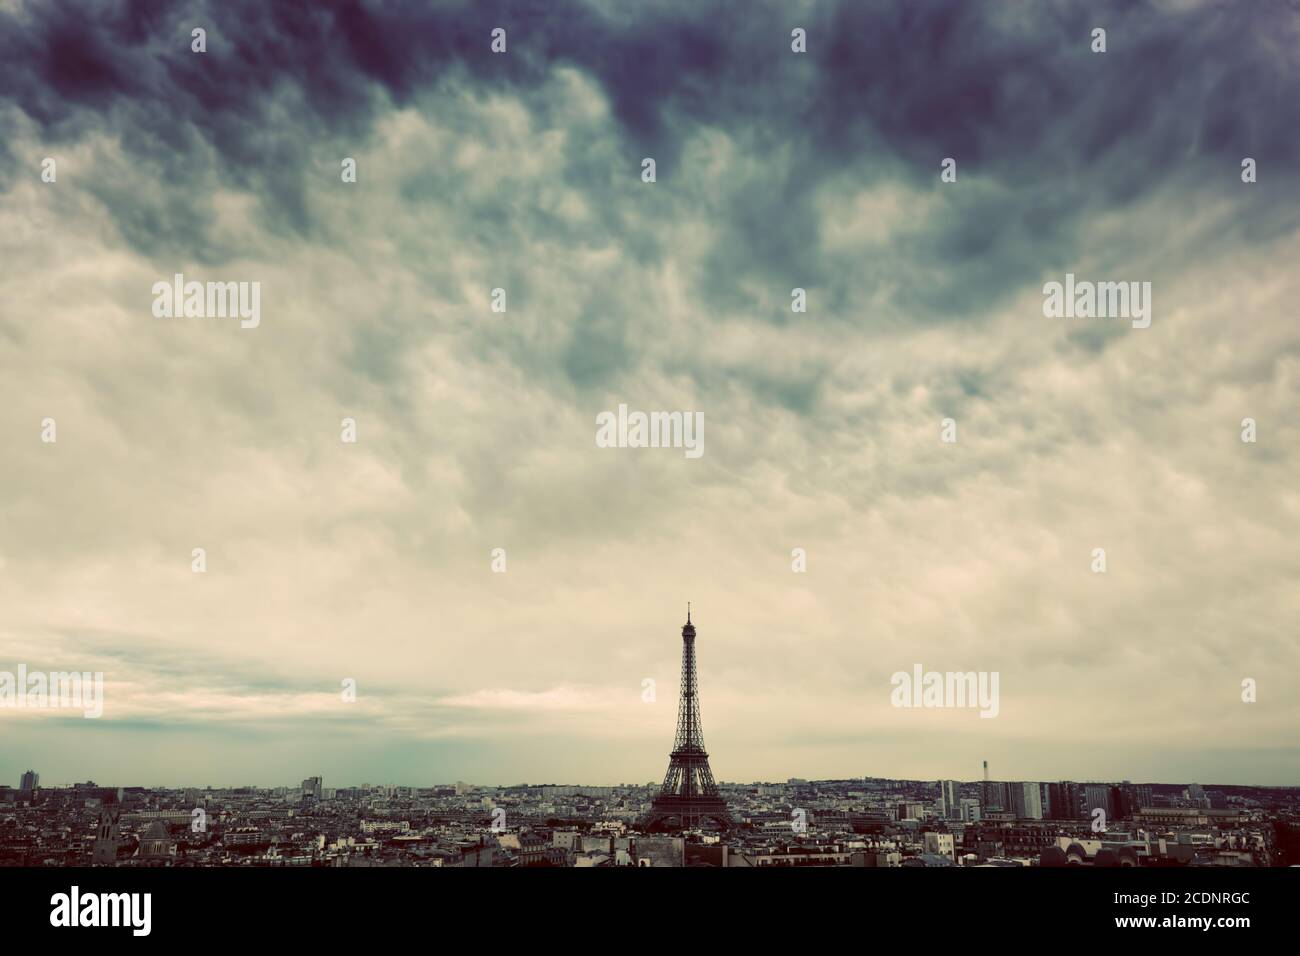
157,831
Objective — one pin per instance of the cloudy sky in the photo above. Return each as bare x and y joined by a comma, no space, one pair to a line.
372,560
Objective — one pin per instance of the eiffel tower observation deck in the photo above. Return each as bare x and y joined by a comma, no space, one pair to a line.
689,798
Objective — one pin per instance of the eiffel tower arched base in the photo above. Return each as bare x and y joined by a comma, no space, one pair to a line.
672,813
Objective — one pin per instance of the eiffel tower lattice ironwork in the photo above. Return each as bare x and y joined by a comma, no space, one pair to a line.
689,797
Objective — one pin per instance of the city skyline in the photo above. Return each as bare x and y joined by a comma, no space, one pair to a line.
835,823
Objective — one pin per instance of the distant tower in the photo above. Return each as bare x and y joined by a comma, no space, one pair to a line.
106,838
689,796
984,790
312,789
949,808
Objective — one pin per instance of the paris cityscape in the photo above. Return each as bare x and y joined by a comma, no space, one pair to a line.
357,512
866,821
688,820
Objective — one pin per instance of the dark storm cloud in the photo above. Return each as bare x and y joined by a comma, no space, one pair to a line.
1052,131
1014,93
1046,134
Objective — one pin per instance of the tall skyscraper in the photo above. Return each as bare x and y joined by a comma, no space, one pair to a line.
1099,795
30,781
1133,798
994,795
1062,802
1025,801
949,808
689,795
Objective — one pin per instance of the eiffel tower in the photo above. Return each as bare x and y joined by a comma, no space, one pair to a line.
689,796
